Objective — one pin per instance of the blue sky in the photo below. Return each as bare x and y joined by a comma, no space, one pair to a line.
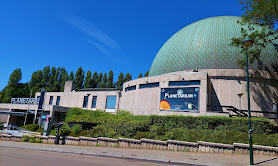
123,35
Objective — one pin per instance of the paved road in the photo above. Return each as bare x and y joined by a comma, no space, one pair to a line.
25,157
116,156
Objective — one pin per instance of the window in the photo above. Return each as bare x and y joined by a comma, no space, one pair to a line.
111,102
194,82
85,102
149,85
183,83
58,100
130,88
94,102
275,109
50,100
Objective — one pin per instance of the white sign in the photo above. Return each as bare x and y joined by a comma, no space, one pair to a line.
25,100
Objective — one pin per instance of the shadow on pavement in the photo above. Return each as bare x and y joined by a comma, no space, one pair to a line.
266,161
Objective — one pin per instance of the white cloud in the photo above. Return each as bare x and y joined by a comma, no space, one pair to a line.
93,31
99,47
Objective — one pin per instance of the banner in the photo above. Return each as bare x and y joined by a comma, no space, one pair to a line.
41,99
183,99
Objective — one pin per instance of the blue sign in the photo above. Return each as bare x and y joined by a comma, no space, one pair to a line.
183,99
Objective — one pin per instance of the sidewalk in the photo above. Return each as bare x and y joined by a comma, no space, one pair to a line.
150,155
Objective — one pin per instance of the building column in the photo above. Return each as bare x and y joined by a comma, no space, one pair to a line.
8,119
203,96
36,113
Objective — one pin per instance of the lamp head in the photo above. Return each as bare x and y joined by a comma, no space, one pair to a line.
247,42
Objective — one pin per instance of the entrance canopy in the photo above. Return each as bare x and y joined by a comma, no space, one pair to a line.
13,113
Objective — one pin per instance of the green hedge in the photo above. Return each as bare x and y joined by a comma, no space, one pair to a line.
78,115
217,136
259,125
31,127
184,128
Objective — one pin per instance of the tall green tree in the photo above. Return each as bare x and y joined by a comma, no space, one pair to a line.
55,87
146,74
260,17
120,81
99,80
140,75
88,80
103,84
127,77
45,76
63,78
110,83
51,79
95,80
36,82
13,87
79,78
71,76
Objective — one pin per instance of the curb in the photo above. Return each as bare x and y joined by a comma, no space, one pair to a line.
110,156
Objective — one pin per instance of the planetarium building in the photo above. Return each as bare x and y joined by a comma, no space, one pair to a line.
194,73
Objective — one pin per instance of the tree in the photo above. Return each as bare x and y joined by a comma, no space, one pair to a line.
120,81
63,78
51,79
71,76
55,87
95,80
79,78
260,17
146,74
11,90
127,77
45,76
99,80
88,80
110,83
36,83
264,12
103,84
140,75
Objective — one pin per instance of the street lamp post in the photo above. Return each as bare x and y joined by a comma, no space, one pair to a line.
248,42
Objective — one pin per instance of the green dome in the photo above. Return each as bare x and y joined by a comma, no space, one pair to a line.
205,45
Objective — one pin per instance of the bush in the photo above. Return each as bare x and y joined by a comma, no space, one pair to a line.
40,130
184,128
261,125
76,129
129,129
25,138
31,139
103,131
65,129
31,127
85,133
148,135
53,132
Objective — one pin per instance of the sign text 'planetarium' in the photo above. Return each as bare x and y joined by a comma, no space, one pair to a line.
25,100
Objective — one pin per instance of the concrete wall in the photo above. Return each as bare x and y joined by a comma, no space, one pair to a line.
226,85
147,101
76,98
218,88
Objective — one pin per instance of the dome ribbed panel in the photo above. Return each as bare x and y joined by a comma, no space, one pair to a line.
204,45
